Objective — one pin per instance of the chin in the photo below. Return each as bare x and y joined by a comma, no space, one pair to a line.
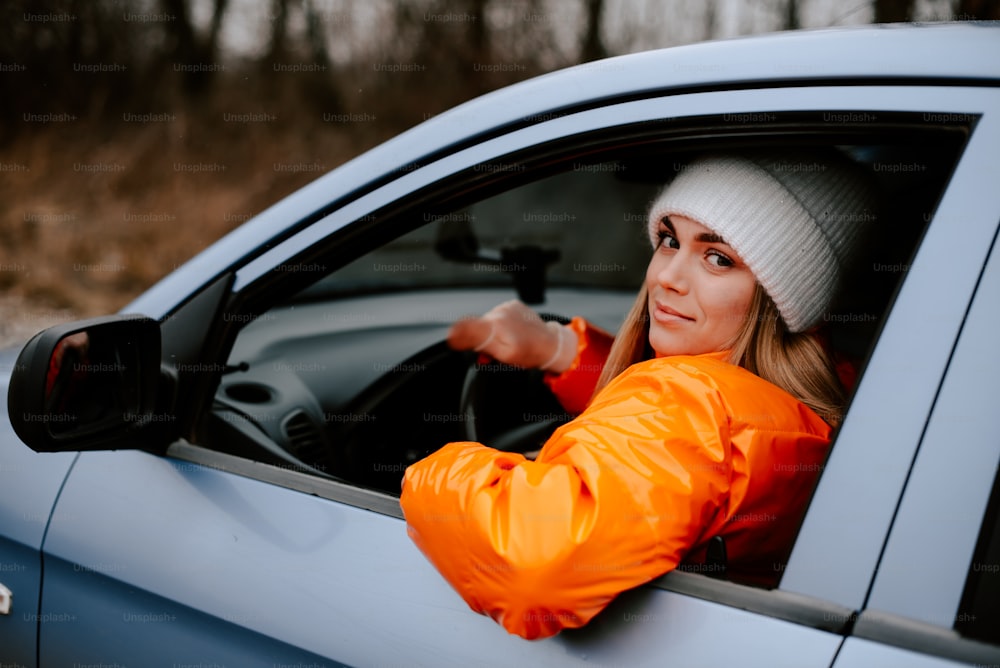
667,348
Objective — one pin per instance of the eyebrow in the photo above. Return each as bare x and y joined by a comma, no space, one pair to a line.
704,237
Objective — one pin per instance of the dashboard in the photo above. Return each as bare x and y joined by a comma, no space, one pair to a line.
359,388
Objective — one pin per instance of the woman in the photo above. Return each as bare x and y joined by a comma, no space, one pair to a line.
712,415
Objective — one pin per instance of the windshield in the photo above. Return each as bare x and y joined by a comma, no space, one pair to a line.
582,228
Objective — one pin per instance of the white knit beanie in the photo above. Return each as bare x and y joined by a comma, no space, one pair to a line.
794,219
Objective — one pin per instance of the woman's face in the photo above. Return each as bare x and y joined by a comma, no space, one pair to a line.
699,290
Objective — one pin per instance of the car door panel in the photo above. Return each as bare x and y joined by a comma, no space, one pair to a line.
29,485
204,563
93,618
859,653
937,526
917,592
178,544
21,575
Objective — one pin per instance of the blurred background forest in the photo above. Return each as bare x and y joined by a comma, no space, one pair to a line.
135,133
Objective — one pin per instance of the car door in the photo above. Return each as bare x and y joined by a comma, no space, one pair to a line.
936,590
29,484
200,556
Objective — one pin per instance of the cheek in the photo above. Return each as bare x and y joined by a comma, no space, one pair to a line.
730,304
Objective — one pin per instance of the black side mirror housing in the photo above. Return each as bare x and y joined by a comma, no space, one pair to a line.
89,385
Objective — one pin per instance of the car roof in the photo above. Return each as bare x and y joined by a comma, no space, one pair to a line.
966,52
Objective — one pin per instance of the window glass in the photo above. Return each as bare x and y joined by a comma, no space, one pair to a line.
586,225
344,376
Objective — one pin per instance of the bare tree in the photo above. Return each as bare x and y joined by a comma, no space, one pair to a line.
186,49
978,10
277,45
316,34
218,12
322,90
479,38
593,46
893,11
711,19
183,43
791,16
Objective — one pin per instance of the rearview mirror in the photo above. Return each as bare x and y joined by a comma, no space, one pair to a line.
87,385
526,264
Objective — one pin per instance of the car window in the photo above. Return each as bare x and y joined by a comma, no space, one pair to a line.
583,227
554,221
348,378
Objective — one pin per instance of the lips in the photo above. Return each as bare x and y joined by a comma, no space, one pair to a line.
665,314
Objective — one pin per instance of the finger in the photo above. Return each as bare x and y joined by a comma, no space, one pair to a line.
517,311
512,306
469,333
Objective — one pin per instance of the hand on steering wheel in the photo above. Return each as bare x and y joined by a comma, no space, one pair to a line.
504,404
515,334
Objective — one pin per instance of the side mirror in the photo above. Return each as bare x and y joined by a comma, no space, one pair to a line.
88,385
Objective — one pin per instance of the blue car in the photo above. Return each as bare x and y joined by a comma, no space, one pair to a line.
211,477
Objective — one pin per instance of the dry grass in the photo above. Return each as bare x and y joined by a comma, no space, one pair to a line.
95,210
91,215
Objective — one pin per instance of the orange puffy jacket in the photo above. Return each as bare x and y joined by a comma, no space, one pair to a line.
672,452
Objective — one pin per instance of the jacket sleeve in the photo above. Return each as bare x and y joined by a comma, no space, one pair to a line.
575,386
615,498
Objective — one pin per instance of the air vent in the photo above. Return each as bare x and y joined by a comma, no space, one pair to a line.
304,439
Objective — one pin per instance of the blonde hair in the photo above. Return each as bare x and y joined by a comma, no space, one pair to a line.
797,363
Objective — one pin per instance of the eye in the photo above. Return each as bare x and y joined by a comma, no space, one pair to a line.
667,240
717,259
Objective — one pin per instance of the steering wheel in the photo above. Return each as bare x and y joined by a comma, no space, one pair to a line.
503,406
494,393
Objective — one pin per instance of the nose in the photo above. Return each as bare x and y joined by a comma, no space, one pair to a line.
672,275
